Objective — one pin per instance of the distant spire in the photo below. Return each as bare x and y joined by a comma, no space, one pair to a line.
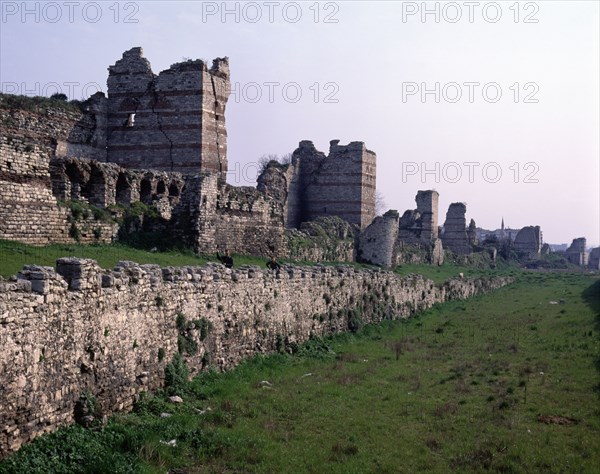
502,223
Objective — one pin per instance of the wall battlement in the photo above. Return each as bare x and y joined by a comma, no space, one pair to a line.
79,328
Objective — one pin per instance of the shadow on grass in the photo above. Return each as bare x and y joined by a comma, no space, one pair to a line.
591,296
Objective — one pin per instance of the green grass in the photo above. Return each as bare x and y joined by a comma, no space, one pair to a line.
451,270
458,388
14,255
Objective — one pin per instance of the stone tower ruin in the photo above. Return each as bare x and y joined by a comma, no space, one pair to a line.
173,121
341,184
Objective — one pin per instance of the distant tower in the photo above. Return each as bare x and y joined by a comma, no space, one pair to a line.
502,229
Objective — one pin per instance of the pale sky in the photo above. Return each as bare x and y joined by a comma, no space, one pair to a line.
508,124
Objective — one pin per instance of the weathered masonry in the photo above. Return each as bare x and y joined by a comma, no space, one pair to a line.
173,121
315,185
111,333
161,140
391,239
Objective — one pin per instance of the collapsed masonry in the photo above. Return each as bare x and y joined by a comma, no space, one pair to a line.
412,238
576,253
529,241
455,237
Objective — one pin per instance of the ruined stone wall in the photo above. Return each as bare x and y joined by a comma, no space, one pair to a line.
29,212
341,184
427,207
38,175
103,332
248,222
576,253
30,140
325,239
107,184
214,217
420,225
62,129
173,121
283,183
594,259
377,243
529,240
413,238
455,236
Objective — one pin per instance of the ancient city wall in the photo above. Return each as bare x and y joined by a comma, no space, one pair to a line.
29,211
29,141
62,129
392,240
111,334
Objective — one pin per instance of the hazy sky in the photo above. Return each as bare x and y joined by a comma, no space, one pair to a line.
495,104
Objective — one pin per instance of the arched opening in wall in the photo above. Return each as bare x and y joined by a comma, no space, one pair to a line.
173,190
95,189
161,188
146,191
123,195
76,181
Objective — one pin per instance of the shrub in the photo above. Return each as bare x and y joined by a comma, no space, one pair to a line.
204,325
180,321
205,359
74,232
176,376
355,321
186,344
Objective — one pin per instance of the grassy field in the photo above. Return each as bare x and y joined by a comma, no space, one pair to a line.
443,272
506,382
13,255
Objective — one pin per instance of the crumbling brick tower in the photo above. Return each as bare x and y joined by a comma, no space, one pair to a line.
341,184
173,121
427,207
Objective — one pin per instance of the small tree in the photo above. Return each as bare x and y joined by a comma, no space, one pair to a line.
264,160
59,96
